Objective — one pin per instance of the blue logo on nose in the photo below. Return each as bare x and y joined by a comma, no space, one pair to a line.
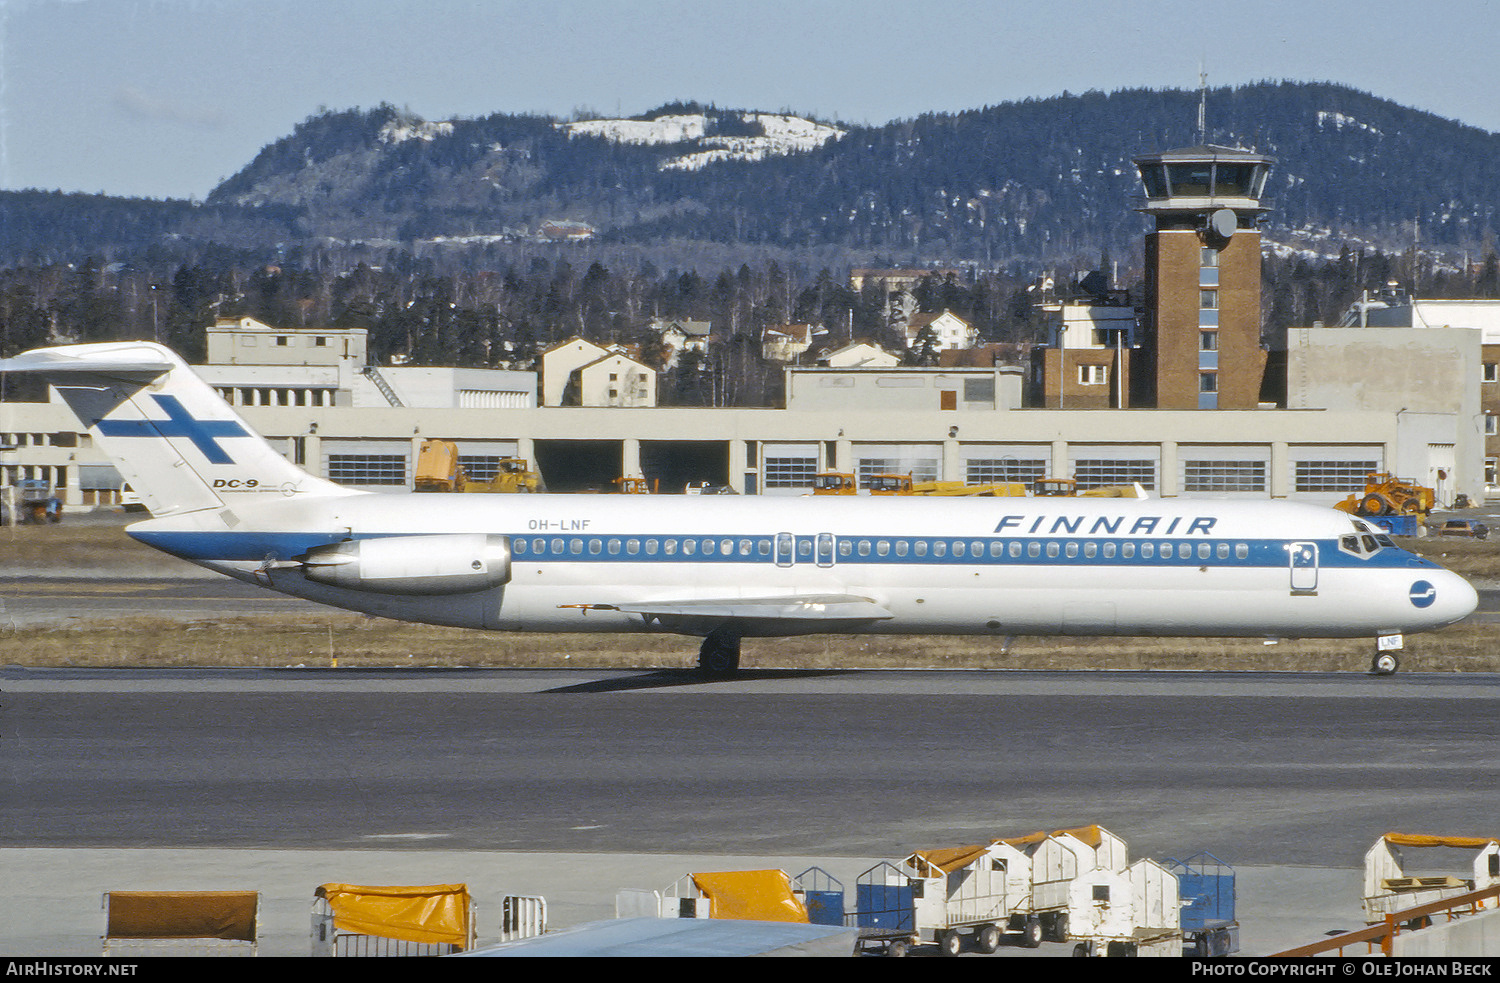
1422,594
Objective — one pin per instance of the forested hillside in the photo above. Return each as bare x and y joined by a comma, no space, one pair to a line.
431,234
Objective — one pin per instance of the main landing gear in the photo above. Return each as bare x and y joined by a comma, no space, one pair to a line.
720,652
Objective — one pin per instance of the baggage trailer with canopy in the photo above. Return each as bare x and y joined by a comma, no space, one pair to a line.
1061,860
933,896
1134,912
1391,887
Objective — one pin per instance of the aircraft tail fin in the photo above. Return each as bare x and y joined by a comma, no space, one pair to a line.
181,447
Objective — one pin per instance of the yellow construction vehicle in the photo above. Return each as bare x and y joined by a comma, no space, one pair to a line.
437,467
633,486
1068,488
902,484
439,470
889,484
1054,488
835,483
511,477
1385,494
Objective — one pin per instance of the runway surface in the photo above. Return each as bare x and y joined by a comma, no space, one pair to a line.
1262,768
575,783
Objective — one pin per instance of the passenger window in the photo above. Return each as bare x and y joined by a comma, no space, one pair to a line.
538,546
958,547
575,546
883,547
1051,549
632,546
1091,549
921,547
557,546
1148,550
1015,549
1127,550
689,547
1109,551
940,548
1034,549
1204,551
1242,551
1223,551
901,547
864,547
997,549
614,547
745,547
1072,550
651,547
670,547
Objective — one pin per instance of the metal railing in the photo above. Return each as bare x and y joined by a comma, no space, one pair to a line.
1383,934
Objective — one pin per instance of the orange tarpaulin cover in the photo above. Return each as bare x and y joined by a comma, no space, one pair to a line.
1420,839
433,913
752,895
181,915
945,860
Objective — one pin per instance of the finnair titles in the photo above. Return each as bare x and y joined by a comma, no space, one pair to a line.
724,568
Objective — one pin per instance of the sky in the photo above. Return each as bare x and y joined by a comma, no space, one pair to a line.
166,98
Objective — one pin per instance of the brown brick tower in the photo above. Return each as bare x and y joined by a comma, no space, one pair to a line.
1201,340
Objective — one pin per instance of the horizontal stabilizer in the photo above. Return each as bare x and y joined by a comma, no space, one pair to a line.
112,361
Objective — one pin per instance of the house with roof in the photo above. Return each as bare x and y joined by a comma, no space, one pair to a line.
949,330
860,354
786,342
578,372
616,379
680,334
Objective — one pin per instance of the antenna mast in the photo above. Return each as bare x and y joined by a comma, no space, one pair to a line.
1202,105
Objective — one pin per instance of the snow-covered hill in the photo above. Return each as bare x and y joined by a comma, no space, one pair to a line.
761,135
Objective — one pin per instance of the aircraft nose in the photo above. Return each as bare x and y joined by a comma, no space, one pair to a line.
1441,597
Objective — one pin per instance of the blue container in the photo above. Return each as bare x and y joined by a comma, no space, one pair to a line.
824,907
1206,886
1394,525
884,906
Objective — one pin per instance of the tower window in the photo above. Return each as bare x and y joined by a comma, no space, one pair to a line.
1208,341
1208,300
1091,375
1208,382
1208,256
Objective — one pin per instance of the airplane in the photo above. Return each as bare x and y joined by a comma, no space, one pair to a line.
724,568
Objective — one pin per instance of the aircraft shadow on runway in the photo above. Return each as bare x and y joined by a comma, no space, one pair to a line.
668,678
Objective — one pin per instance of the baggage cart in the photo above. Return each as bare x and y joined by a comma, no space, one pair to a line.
943,897
1207,887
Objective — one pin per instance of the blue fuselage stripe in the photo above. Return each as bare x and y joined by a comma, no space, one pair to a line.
828,551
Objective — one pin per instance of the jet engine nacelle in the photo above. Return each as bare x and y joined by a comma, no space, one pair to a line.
455,564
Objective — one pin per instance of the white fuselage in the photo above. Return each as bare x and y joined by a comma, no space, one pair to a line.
1003,566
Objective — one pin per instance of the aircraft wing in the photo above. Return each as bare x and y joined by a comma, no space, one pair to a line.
804,612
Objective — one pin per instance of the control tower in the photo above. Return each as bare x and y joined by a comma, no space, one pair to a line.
1201,339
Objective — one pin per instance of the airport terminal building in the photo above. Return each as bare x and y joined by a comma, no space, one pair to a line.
962,424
